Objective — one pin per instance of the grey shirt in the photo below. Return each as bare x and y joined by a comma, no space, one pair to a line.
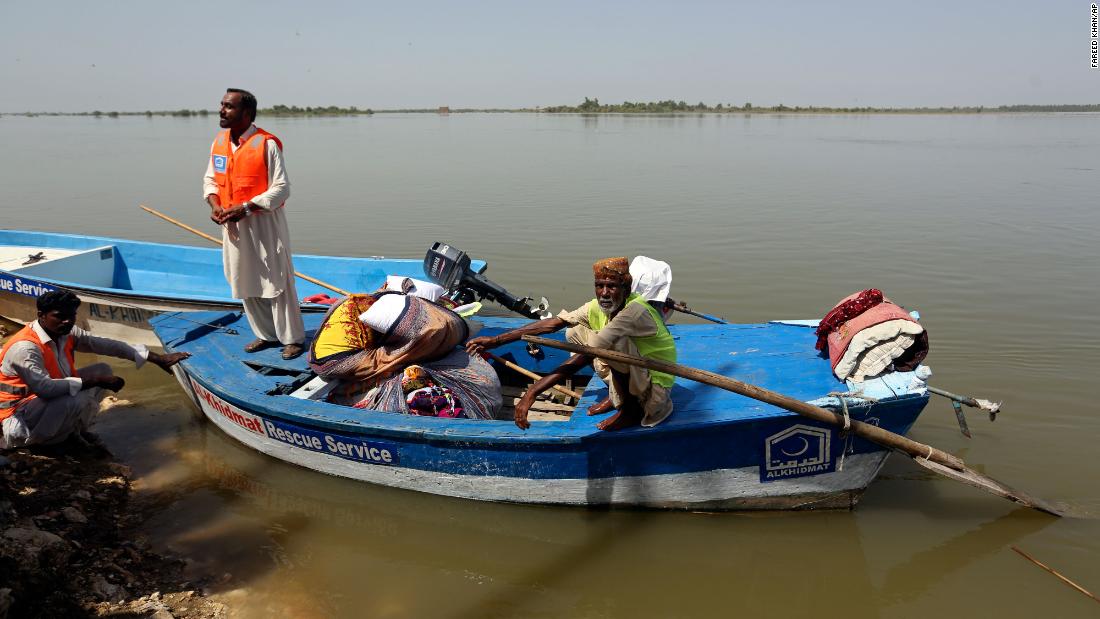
25,359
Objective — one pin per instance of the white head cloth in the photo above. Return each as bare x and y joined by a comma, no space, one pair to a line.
652,278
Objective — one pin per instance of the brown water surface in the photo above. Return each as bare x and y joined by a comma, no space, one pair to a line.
985,223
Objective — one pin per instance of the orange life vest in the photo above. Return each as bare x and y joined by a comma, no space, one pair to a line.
242,174
13,391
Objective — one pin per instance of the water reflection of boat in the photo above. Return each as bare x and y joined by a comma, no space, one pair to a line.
942,561
123,283
361,550
718,451
346,549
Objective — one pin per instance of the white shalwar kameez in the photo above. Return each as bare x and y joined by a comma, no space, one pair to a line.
256,254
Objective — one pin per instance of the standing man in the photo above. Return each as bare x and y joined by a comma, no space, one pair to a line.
617,320
246,187
44,398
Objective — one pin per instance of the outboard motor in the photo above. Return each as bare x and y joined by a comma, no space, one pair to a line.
449,267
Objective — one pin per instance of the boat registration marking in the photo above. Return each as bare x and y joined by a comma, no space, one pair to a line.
112,313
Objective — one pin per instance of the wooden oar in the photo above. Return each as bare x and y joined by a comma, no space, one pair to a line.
529,374
925,455
218,241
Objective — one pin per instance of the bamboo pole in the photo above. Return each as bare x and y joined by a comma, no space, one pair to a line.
1053,571
218,241
927,456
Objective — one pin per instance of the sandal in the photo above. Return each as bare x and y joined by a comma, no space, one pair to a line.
257,345
291,351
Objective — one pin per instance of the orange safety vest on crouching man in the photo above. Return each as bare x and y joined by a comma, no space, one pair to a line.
242,174
13,391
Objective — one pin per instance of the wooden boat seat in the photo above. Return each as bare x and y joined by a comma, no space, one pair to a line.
317,388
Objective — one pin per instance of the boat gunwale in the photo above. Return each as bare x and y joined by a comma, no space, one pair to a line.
119,295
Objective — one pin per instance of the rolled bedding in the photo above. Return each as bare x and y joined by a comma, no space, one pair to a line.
865,334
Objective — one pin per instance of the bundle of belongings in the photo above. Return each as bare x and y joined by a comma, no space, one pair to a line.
866,334
425,398
396,350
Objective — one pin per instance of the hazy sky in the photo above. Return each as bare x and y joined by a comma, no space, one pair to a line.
136,55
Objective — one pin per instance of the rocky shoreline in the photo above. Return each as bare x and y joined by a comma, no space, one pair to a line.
70,544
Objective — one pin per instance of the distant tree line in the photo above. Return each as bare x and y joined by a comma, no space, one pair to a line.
99,113
294,110
278,110
453,110
593,106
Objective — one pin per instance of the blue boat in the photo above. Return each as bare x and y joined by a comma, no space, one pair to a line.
123,282
718,450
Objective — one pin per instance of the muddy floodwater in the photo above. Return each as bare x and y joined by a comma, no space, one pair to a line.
987,224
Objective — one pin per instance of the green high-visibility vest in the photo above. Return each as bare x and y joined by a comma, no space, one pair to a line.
658,346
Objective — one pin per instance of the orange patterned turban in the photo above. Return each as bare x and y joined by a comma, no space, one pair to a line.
615,269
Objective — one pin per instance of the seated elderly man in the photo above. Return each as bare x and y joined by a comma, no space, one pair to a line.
44,398
399,353
616,320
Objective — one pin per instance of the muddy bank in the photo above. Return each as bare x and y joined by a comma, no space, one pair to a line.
69,547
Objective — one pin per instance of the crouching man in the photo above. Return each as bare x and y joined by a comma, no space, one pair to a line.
44,399
617,320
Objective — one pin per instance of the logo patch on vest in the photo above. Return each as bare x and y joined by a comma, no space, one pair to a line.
219,163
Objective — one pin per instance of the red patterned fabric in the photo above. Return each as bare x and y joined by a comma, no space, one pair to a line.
847,309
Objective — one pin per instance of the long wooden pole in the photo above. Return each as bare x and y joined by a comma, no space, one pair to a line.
530,374
931,458
1069,582
218,241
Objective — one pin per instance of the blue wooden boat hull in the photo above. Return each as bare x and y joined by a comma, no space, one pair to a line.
718,451
123,283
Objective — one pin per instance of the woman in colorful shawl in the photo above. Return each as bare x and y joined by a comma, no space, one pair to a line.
424,334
